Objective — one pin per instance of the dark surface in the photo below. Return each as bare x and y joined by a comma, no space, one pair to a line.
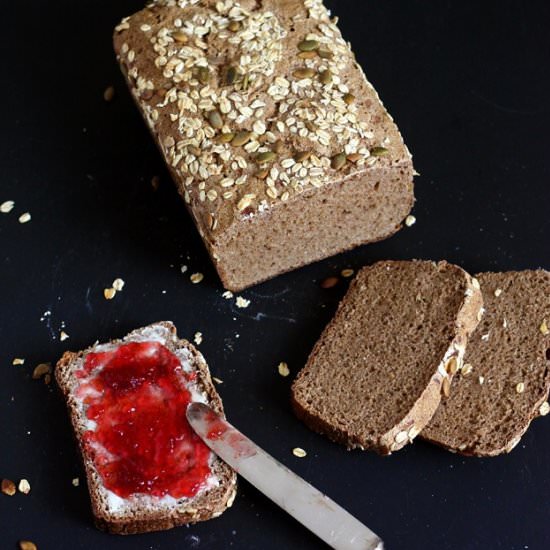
469,86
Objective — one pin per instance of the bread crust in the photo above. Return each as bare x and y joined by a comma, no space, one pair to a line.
426,405
142,519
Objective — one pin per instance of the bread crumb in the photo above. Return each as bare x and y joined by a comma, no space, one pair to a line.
8,487
329,282
6,207
481,380
410,220
298,452
242,302
109,94
228,295
544,328
63,336
75,481
520,387
347,273
198,338
498,292
196,278
109,293
24,487
41,370
118,284
27,545
217,380
283,369
24,218
18,361
544,408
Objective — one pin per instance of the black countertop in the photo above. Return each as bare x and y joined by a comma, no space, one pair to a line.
469,85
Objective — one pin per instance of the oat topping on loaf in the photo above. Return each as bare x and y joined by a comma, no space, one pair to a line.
216,85
279,145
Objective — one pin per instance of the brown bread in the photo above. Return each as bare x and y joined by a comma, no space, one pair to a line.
279,145
505,379
375,377
143,513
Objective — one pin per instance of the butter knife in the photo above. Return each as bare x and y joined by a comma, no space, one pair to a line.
321,515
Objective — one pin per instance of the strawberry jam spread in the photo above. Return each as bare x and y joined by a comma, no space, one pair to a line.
137,395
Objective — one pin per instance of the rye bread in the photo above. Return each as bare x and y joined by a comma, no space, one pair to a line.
505,379
375,377
144,513
335,172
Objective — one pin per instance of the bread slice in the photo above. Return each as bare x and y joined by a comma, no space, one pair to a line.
505,380
375,377
141,513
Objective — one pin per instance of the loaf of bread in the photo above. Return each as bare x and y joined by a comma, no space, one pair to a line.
505,379
279,145
379,370
145,467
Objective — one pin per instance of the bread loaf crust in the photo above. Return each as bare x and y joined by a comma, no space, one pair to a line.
142,519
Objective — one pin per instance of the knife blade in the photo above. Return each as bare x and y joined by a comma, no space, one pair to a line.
321,515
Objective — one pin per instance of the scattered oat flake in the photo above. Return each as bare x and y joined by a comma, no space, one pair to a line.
18,361
283,369
109,293
6,207
520,387
198,338
481,380
196,278
544,328
155,182
24,218
118,284
183,268
109,93
544,408
24,487
228,295
242,302
8,487
300,453
498,292
410,220
63,336
75,481
27,545
217,380
347,273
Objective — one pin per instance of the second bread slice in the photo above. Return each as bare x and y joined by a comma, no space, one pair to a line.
376,375
505,380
